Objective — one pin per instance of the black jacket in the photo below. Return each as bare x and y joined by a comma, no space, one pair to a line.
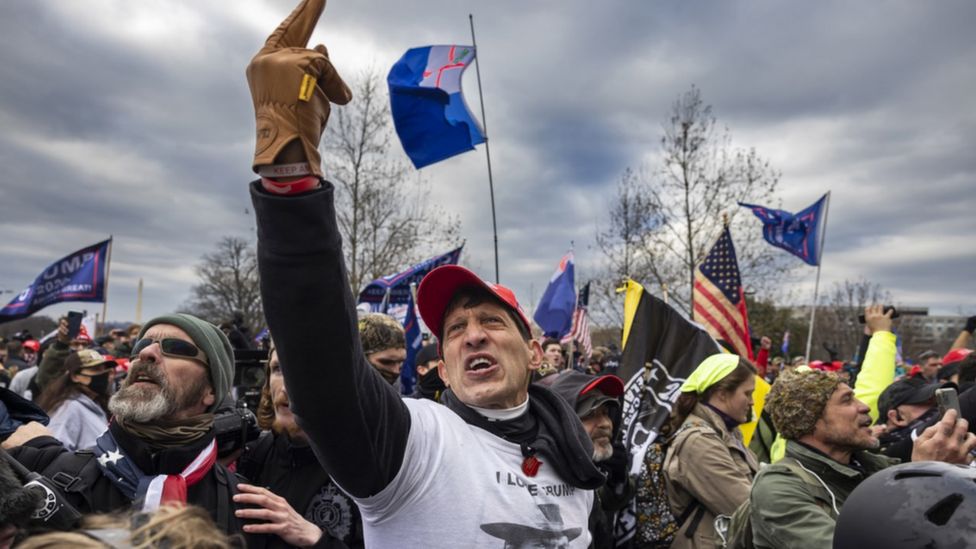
95,493
293,473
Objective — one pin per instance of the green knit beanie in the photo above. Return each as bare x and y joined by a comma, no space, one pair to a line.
212,342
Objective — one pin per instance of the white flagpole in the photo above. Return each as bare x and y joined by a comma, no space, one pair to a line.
108,268
484,125
816,286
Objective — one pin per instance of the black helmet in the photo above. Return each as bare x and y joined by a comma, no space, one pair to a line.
926,504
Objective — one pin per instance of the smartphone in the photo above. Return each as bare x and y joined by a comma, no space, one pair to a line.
74,323
948,398
894,314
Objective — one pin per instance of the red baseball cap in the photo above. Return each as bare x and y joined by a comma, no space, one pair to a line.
440,285
609,385
955,355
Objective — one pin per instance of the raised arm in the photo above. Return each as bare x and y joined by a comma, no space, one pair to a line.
878,368
356,422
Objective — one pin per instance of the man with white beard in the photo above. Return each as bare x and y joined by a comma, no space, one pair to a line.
160,445
596,400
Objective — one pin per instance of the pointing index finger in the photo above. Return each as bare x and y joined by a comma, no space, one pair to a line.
297,28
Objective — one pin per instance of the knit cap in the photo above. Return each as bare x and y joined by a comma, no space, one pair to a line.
797,400
379,332
212,342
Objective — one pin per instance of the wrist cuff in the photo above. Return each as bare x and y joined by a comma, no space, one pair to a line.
274,171
290,187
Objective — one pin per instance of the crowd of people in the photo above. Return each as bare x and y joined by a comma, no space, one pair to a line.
134,438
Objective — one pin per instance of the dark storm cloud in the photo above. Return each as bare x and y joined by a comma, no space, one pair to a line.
144,132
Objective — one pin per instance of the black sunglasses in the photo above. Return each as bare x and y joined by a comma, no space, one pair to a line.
171,346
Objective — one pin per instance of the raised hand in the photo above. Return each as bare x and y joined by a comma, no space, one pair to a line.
291,87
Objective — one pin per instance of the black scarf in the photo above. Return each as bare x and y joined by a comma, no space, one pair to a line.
550,427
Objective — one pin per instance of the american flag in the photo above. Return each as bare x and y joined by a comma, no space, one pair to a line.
719,302
580,332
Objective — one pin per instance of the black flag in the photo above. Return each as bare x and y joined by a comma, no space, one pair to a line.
672,346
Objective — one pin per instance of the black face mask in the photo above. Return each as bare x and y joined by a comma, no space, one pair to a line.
431,383
99,383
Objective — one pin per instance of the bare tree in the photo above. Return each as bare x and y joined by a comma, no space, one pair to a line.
228,284
665,218
385,216
836,324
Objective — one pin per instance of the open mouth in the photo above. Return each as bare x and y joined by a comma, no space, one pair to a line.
480,366
143,378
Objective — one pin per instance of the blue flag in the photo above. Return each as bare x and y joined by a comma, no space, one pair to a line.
786,344
79,276
429,112
800,233
415,340
395,288
555,311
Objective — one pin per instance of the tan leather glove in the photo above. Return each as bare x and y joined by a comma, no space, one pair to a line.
292,86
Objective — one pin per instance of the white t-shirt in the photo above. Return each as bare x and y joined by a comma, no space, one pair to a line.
461,486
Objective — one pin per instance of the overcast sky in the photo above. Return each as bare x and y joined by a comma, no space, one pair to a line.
133,119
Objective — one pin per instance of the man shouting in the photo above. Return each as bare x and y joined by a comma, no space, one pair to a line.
423,475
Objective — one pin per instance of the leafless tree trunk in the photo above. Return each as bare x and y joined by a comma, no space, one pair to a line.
665,218
385,215
229,283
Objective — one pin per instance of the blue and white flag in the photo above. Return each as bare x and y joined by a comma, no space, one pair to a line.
80,276
395,288
415,340
429,112
800,233
555,311
785,349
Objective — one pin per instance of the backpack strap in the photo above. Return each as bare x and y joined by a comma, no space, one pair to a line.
73,471
226,488
695,510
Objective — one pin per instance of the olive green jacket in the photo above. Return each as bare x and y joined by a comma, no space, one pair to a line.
790,511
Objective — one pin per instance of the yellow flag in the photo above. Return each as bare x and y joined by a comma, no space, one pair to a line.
758,400
631,301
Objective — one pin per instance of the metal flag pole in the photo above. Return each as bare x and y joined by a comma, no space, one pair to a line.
816,286
108,269
484,125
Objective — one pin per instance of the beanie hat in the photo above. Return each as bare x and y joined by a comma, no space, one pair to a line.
797,400
379,332
212,342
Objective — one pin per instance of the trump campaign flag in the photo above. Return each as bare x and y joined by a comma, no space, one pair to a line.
395,289
80,276
415,340
428,109
719,302
554,313
799,233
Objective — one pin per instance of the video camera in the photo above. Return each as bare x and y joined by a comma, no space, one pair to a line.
234,426
234,421
249,374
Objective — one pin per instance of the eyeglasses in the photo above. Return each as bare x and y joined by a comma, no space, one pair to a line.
171,346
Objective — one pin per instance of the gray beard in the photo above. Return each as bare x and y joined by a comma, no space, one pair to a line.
602,453
133,404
